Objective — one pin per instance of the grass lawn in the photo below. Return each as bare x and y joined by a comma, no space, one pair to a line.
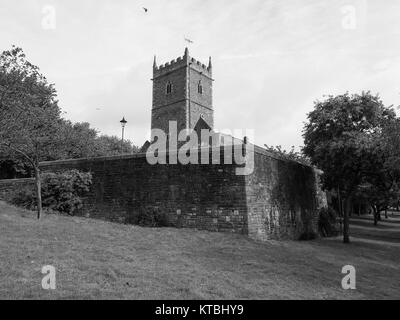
102,260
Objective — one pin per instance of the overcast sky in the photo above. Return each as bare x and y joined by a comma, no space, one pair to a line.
272,59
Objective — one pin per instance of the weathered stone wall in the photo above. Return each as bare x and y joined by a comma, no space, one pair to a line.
201,104
173,112
9,187
196,111
281,199
209,197
169,107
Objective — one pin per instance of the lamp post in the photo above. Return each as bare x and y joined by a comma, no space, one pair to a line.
123,124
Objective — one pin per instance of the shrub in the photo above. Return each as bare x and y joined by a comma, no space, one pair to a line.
24,198
328,223
152,217
61,192
306,236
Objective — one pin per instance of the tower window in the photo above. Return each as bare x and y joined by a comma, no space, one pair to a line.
200,88
169,87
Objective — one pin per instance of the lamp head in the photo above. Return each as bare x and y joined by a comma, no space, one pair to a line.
123,122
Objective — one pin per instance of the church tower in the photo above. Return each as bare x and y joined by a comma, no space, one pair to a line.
182,92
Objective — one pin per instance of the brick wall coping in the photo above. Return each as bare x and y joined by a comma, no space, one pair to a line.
257,149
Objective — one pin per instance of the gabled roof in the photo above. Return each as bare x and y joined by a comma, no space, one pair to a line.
200,125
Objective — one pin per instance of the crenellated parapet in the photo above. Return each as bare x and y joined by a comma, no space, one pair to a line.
200,67
182,62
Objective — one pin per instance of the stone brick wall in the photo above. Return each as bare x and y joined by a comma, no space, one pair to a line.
174,112
281,198
277,201
200,104
209,197
8,187
196,111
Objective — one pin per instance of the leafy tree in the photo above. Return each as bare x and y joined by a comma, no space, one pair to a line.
340,139
112,145
289,155
29,114
391,143
81,141
380,186
383,183
31,129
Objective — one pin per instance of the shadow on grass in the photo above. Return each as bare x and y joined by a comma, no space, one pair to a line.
387,230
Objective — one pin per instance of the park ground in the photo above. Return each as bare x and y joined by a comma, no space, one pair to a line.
102,260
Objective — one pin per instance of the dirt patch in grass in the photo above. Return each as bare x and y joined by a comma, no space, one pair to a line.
102,260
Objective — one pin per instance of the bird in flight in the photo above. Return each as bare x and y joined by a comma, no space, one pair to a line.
145,9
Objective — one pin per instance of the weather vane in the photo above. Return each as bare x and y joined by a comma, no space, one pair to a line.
188,40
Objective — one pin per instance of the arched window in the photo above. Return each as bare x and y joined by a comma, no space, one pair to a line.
169,87
200,88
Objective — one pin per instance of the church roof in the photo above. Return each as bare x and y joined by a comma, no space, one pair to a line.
201,124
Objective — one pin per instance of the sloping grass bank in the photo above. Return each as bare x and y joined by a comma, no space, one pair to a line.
102,260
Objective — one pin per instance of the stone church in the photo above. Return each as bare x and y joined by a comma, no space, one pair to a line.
280,199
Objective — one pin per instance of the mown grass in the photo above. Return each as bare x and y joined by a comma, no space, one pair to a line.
102,260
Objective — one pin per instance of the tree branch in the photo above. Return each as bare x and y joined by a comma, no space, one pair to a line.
8,145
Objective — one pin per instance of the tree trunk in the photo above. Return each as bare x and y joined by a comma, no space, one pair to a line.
346,222
38,192
375,216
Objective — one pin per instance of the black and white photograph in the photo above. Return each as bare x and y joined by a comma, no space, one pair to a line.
199,155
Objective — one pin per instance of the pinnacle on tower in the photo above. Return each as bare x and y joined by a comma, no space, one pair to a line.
186,52
209,64
155,62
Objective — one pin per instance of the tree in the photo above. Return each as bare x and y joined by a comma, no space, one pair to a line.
391,145
31,129
340,139
384,181
289,155
112,146
81,141
29,113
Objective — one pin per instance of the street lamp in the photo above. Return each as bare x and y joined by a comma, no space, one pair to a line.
123,124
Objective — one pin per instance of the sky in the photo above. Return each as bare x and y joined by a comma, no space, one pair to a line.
271,59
